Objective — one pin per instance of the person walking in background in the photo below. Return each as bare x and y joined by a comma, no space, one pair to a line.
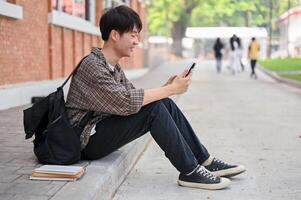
236,54
236,58
218,46
239,52
232,54
252,55
232,40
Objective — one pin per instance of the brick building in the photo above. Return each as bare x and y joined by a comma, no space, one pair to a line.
44,39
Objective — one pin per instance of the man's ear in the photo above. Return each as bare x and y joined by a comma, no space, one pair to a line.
114,35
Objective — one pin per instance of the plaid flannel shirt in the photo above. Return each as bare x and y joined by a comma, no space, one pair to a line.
96,87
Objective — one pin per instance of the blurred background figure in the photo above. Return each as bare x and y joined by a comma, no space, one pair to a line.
232,53
240,53
218,46
252,55
236,58
235,54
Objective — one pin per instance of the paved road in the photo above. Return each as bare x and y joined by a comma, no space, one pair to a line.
255,123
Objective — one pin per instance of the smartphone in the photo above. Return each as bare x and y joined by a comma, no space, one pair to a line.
191,68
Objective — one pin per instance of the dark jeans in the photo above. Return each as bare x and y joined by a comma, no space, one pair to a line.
218,63
167,125
253,65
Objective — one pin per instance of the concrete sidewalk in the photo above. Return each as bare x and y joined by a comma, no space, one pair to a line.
242,135
240,120
102,177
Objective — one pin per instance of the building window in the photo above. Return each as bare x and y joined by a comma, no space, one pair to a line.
10,10
79,8
76,15
112,3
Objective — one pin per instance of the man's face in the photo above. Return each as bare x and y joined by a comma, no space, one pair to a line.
126,42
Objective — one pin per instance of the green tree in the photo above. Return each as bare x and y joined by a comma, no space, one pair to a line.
172,17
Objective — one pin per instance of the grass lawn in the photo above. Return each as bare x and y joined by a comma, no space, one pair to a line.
293,76
282,65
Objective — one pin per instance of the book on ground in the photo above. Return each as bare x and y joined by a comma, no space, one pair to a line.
57,172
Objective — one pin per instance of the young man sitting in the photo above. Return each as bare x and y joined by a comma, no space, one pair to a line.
123,113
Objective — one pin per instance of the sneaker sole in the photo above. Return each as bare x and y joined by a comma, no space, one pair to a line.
230,172
216,186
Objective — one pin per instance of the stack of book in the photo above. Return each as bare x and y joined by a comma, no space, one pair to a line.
57,173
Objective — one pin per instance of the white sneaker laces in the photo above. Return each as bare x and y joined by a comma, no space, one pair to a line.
203,171
220,161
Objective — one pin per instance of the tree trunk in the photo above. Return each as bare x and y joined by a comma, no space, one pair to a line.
247,18
178,31
179,27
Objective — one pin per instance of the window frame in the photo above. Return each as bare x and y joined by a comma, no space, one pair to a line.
10,10
112,3
62,19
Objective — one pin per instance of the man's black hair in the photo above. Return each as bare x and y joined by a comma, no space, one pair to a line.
122,19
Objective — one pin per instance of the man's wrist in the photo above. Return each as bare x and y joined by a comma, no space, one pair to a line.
169,90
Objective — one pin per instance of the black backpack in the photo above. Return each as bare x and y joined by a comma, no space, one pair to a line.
56,141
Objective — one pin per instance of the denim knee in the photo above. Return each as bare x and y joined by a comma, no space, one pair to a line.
163,105
169,104
158,105
168,101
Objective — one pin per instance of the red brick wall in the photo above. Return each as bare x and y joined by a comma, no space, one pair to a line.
78,52
56,60
33,50
68,51
24,44
87,42
67,48
98,13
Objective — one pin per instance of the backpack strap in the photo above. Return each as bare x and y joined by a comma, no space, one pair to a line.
89,115
75,69
85,120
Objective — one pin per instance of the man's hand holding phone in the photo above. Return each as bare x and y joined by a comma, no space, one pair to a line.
190,70
180,84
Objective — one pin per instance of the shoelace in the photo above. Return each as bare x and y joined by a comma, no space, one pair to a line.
206,173
220,161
